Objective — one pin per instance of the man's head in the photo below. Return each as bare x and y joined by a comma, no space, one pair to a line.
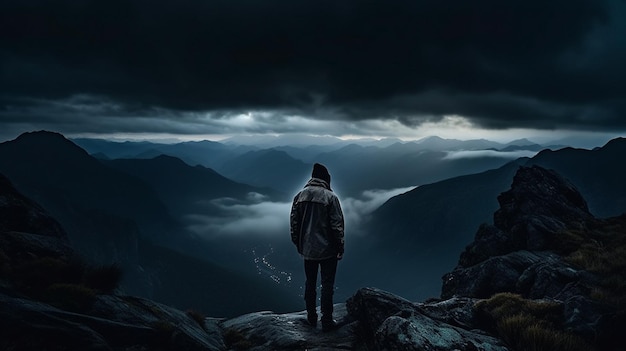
320,172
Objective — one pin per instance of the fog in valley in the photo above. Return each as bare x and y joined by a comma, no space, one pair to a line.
254,234
489,153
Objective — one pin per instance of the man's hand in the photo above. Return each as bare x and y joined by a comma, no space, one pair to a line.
339,256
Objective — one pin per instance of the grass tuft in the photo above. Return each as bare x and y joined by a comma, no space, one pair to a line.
528,325
103,278
236,340
70,297
604,253
34,276
198,317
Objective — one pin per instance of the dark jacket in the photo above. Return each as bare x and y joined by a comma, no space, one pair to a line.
317,222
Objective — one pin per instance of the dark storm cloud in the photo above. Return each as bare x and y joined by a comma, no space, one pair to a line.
526,63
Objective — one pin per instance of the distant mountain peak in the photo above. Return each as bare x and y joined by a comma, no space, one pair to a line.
41,133
521,142
43,136
168,159
615,143
430,138
45,145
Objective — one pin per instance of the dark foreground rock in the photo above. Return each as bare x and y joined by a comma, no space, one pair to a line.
270,331
115,323
372,319
389,322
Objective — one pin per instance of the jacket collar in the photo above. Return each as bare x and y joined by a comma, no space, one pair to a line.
318,182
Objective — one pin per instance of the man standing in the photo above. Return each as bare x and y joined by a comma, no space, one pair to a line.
317,230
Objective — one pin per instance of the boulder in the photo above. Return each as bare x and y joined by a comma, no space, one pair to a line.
290,331
115,323
394,323
538,206
494,275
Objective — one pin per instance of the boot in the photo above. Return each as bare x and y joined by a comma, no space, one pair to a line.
329,325
311,318
311,309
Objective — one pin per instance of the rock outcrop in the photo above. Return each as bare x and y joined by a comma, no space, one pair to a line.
372,319
112,323
271,331
389,322
542,226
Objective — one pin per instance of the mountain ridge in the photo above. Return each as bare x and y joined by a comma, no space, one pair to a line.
182,186
110,216
65,179
354,170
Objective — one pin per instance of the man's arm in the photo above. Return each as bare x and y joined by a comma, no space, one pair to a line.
294,221
337,225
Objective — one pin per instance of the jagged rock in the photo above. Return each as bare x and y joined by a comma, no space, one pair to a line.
398,324
542,218
539,204
30,325
372,306
584,315
20,246
488,242
457,311
186,333
553,278
290,331
372,319
496,274
115,323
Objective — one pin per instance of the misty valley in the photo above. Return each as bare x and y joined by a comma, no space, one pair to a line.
205,225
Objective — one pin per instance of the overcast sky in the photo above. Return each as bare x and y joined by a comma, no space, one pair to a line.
407,68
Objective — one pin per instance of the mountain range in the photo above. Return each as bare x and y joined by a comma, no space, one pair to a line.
134,202
356,165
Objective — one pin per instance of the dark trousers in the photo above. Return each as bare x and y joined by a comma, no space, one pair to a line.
328,269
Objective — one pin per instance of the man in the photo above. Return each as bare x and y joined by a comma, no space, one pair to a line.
317,230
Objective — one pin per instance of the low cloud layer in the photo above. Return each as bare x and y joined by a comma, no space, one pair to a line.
356,210
259,219
277,66
455,155
262,219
